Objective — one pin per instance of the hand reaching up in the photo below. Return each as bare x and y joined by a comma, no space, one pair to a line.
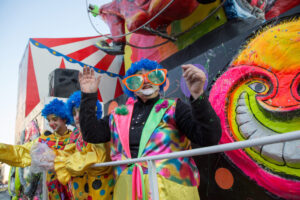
195,79
88,81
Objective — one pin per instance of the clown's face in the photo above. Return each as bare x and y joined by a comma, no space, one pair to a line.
57,124
148,90
76,117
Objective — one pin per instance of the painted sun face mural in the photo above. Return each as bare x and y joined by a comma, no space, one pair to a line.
258,96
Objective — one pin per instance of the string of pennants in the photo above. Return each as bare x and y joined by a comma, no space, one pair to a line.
71,60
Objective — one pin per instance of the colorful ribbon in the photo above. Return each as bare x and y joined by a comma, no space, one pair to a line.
138,183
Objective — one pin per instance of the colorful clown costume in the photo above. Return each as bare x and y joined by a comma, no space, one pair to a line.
152,128
72,165
20,155
56,190
151,125
73,168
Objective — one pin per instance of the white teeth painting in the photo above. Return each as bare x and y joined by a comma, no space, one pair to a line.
259,96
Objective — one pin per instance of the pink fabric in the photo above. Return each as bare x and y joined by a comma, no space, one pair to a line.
139,183
123,125
289,189
130,100
134,180
137,187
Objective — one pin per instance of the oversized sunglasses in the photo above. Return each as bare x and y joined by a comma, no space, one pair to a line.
136,81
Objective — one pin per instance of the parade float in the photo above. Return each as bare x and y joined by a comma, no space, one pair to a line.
249,50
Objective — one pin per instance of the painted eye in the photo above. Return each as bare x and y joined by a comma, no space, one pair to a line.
258,87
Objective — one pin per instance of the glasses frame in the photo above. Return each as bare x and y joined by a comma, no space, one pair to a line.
146,76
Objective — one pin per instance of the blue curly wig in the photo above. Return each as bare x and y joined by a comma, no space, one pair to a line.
58,108
146,64
74,101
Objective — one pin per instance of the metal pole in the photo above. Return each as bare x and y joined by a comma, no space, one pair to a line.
200,151
45,189
212,149
153,180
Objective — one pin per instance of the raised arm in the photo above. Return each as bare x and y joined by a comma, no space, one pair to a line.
198,121
92,130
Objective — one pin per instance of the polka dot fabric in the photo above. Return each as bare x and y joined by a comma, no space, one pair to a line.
89,187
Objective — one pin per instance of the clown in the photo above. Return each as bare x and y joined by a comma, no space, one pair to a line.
151,125
72,164
19,155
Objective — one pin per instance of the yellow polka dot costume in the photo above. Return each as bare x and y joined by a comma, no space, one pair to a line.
72,165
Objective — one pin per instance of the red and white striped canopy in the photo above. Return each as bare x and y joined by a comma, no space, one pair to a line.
43,55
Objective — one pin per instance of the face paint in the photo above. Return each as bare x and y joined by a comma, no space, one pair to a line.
148,91
56,123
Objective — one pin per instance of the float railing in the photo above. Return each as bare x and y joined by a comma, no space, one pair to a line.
295,135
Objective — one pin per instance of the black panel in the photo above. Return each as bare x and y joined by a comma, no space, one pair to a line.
63,82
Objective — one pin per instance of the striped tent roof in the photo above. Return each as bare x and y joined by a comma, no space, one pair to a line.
43,55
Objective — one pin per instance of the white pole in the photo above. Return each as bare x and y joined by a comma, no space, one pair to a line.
200,151
45,189
212,149
153,180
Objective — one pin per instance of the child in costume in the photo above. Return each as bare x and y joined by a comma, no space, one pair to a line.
72,165
151,125
19,155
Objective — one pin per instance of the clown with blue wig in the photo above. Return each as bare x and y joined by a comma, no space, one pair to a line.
150,125
27,154
72,165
